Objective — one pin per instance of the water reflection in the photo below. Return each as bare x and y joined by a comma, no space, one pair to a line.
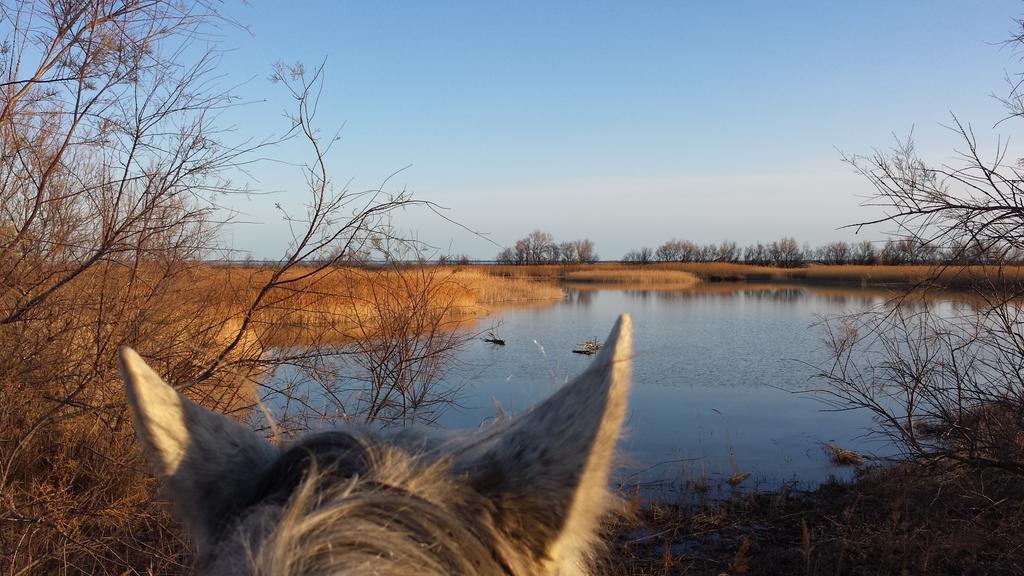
718,377
579,297
844,297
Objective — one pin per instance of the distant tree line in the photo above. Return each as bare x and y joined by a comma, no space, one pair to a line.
788,253
785,252
539,247
459,259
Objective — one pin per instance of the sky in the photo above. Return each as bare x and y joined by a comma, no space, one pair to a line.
629,123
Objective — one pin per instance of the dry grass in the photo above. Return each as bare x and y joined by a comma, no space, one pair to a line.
631,277
597,276
878,275
75,493
918,516
552,272
843,457
901,519
76,496
338,305
493,292
951,277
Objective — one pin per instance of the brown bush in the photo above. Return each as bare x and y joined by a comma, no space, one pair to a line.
110,174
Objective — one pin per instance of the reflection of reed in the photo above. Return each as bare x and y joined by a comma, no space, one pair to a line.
647,294
842,297
773,293
579,297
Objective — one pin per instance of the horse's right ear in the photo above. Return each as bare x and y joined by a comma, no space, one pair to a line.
209,463
547,474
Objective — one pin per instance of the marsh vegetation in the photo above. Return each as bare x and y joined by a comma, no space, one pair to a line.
114,176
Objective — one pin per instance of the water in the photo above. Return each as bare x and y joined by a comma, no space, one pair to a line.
720,379
718,374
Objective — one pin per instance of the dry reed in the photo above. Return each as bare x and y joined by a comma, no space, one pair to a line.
950,277
632,276
341,300
907,518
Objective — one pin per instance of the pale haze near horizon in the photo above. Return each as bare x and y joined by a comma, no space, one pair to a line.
627,123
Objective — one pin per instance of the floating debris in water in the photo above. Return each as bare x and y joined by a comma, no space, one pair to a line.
493,339
737,478
589,347
842,457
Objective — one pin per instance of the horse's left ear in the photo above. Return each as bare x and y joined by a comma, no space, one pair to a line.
209,463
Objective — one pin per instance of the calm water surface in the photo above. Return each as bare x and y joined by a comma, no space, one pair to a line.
720,379
717,379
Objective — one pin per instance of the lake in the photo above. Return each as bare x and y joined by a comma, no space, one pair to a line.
721,374
717,379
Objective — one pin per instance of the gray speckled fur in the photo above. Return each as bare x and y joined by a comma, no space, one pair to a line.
522,498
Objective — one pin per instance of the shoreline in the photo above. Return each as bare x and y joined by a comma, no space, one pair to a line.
937,276
908,517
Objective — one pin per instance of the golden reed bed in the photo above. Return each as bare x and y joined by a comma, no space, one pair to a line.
632,277
952,277
344,303
77,497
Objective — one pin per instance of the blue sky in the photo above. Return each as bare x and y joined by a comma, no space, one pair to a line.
626,122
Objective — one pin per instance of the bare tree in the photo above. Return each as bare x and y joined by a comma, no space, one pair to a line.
945,384
864,253
670,251
689,251
507,256
728,252
567,253
112,167
643,255
835,253
585,251
786,253
708,253
106,151
756,254
408,330
109,172
539,247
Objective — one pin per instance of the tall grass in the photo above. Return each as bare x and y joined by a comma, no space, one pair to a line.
632,277
907,518
949,277
75,495
337,305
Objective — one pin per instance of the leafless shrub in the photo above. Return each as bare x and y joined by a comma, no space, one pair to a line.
756,254
643,255
407,336
728,252
786,253
111,167
539,247
834,253
943,383
687,251
864,253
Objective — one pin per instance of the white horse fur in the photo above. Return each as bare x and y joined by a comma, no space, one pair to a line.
522,498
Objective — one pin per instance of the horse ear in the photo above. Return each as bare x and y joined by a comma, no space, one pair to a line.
209,463
547,475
